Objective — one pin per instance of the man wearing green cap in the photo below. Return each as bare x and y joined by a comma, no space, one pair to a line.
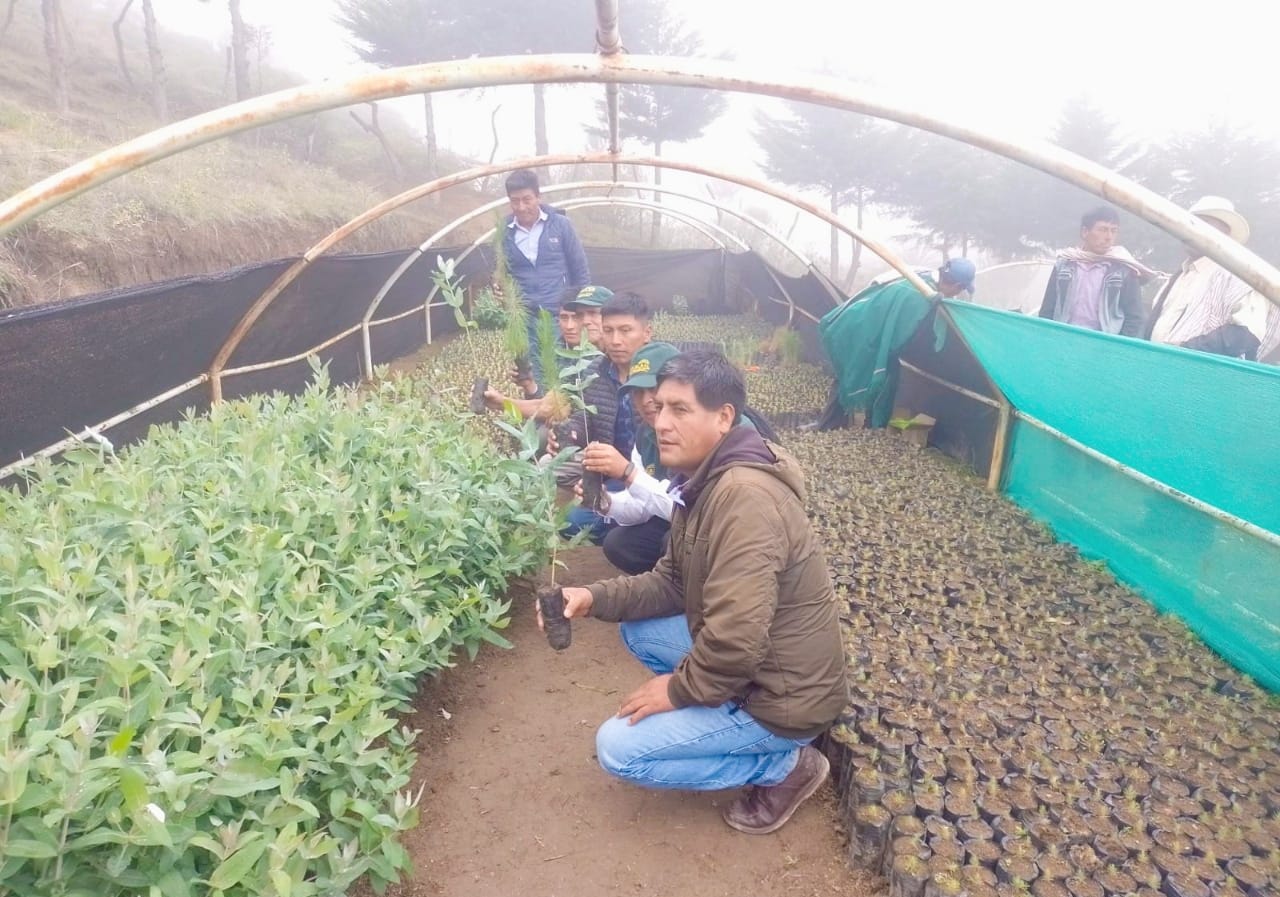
579,320
586,305
642,508
625,328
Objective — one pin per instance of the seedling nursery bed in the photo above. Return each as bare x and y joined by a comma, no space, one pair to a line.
1019,722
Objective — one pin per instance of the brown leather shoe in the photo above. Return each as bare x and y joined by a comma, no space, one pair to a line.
766,808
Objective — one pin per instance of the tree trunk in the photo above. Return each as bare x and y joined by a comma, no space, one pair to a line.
493,128
855,262
53,48
835,237
375,129
159,80
429,124
239,51
115,29
539,120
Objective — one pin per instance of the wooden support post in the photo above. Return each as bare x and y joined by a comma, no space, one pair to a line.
1000,449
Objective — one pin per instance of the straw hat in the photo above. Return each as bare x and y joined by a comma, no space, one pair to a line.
1216,208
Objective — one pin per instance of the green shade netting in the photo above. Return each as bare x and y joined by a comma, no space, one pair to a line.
1204,425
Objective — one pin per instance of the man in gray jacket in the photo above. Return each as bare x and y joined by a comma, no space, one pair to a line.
1099,285
738,621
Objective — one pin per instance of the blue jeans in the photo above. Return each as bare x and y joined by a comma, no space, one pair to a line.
693,748
581,519
596,526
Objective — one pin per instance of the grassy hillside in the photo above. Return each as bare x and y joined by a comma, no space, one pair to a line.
262,195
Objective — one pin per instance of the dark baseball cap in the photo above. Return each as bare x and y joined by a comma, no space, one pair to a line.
589,297
646,363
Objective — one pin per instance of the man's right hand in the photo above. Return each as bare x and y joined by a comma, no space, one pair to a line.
528,387
494,399
577,602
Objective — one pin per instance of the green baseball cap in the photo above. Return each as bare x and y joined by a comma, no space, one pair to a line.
590,297
646,363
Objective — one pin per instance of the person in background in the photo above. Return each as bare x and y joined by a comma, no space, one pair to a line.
1098,286
738,622
544,255
862,339
1204,306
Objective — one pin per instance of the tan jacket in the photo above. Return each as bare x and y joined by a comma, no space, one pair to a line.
747,571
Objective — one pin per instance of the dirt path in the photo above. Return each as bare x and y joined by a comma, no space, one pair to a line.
515,803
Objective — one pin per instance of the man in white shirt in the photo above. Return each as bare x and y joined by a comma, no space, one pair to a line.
1206,307
643,508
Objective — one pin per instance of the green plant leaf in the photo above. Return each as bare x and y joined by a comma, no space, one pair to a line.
32,850
118,745
133,787
233,869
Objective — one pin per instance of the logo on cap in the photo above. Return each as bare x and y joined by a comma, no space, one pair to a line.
586,292
640,367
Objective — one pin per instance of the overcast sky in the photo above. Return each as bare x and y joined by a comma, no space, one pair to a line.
1153,67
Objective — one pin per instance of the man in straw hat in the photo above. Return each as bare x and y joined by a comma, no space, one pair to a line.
1206,307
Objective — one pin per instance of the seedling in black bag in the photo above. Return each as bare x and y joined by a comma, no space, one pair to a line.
478,389
558,628
592,489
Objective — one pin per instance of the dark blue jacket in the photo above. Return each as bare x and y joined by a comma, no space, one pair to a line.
561,262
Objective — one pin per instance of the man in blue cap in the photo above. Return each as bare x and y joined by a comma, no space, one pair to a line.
863,336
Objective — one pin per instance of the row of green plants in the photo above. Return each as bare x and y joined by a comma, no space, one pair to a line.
205,640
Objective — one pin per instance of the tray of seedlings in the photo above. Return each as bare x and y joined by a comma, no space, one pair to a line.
1019,722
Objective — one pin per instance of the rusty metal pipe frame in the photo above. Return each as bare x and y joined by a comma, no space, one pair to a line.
366,359
602,185
706,227
628,69
608,186
95,430
294,271
712,232
608,44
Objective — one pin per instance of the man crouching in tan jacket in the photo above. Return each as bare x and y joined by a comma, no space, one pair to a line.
738,620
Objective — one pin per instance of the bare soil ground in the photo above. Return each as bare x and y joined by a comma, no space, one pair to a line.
515,803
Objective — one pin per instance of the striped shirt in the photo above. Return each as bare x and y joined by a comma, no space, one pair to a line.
1269,351
1204,297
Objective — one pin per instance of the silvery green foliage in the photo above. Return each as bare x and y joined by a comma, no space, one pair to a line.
203,640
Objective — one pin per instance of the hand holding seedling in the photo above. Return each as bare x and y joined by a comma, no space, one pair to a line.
601,457
494,399
647,700
523,379
577,603
602,506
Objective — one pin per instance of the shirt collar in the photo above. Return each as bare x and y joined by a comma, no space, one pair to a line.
542,216
675,487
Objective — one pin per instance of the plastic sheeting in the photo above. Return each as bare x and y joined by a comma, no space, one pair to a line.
68,365
1204,425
